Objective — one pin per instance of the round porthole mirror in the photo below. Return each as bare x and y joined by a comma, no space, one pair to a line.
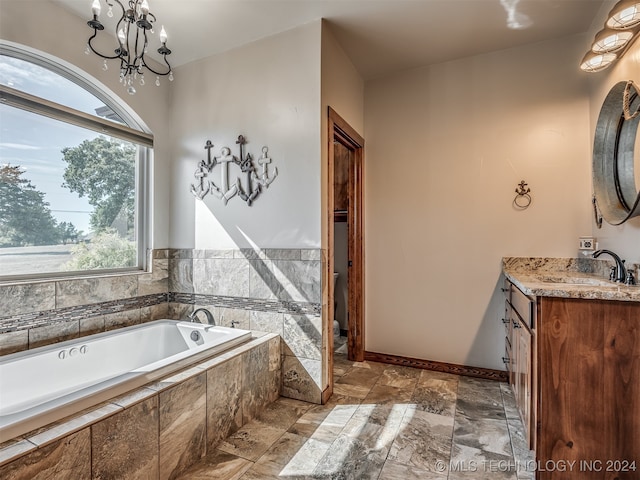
616,170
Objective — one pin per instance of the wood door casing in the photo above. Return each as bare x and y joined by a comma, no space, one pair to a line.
343,133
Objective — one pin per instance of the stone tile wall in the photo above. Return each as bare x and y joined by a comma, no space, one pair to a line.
157,431
38,313
271,290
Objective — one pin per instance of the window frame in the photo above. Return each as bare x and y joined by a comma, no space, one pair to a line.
133,131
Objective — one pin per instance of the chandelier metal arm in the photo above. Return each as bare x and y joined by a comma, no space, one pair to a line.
95,33
168,72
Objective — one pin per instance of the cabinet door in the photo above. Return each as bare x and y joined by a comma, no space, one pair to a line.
514,375
508,341
524,377
589,385
522,371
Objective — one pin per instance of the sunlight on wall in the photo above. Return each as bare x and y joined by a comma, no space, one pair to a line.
209,232
291,292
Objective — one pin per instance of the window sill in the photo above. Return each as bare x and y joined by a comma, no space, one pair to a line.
71,276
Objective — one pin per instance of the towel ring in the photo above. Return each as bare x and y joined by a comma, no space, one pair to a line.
522,199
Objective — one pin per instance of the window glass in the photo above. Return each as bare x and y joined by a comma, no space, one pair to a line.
69,196
41,82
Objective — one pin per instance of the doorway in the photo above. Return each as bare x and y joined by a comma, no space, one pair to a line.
346,209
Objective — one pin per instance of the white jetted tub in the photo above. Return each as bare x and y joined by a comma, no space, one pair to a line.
48,383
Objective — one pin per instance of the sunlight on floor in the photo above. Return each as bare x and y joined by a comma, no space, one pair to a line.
389,422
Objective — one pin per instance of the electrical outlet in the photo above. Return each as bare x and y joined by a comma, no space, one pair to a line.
587,243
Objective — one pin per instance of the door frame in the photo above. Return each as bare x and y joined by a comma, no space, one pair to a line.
341,131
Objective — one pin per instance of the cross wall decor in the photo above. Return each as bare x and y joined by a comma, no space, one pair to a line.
247,191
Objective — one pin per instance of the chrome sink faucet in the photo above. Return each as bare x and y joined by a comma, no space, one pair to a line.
193,316
620,271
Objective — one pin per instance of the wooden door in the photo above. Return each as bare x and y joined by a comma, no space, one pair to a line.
350,144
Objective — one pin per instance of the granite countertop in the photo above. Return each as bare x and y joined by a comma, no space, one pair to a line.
586,278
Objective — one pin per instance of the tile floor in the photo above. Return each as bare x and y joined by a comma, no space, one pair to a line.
383,422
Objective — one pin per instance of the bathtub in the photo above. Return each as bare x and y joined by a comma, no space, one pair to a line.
46,384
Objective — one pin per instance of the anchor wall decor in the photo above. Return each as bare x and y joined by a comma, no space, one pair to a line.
253,183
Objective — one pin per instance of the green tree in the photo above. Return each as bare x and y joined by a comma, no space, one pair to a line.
25,218
67,232
103,170
106,250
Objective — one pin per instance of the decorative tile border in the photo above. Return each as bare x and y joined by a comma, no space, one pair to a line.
464,370
68,314
247,253
243,303
80,312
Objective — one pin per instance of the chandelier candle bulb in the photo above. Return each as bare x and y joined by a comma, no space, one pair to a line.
95,8
163,35
144,7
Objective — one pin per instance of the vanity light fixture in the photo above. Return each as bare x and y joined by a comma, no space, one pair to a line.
594,62
625,14
611,40
131,34
619,32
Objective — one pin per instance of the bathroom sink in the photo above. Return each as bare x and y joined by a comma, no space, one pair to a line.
576,280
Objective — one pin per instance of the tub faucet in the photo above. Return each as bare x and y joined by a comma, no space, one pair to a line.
620,271
207,313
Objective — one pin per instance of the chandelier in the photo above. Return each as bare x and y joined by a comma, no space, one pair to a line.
131,30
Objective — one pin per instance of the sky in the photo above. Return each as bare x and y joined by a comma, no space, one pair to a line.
35,142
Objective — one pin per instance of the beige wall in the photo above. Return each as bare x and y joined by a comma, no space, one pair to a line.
268,91
342,85
65,38
623,239
446,147
342,89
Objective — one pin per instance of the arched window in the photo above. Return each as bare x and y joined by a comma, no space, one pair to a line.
73,172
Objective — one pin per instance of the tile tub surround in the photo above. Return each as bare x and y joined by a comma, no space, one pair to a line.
527,273
271,290
383,422
156,431
33,314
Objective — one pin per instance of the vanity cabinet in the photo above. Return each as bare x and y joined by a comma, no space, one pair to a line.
575,372
589,387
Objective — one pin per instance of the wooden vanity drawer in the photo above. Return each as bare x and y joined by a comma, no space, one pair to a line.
523,305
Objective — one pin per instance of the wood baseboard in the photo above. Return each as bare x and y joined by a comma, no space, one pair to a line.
486,373
326,394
